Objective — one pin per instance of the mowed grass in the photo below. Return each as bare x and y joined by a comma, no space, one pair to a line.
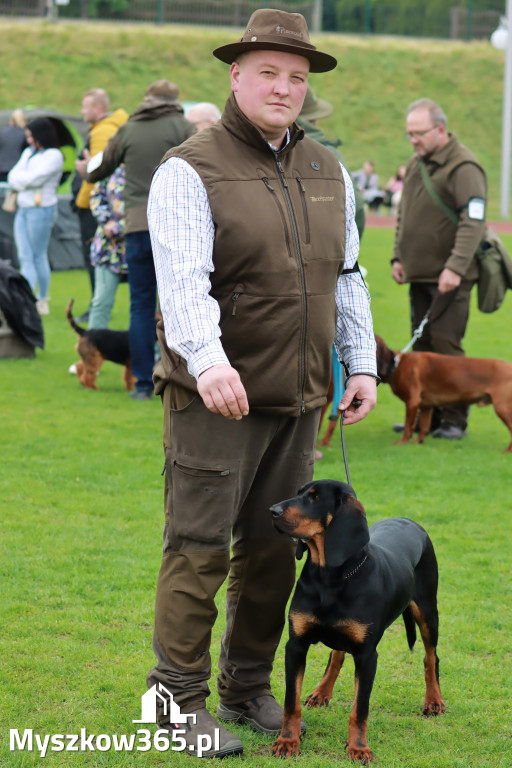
80,528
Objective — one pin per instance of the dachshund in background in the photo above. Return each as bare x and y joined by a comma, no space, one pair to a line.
355,583
96,346
424,380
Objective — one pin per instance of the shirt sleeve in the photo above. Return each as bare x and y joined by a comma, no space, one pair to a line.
354,340
182,233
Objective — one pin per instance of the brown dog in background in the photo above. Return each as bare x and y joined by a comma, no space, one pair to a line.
424,380
96,346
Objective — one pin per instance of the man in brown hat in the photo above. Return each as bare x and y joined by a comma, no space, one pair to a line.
156,125
255,251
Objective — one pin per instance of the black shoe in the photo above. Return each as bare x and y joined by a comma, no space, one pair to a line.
263,714
449,432
141,394
400,427
83,318
222,742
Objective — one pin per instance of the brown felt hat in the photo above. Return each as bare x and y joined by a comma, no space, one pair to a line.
313,107
163,89
271,30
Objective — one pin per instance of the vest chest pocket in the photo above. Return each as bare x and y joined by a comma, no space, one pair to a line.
302,193
271,189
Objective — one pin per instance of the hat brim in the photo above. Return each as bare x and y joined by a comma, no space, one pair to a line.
318,61
320,109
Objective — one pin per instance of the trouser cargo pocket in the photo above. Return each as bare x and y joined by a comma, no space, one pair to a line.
201,503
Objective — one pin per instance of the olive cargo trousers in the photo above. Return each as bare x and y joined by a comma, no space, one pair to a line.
221,478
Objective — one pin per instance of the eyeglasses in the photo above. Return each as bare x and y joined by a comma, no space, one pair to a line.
419,134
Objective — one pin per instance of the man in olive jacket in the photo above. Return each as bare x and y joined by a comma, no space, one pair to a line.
255,248
156,125
431,253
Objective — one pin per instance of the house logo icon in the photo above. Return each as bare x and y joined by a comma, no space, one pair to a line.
172,712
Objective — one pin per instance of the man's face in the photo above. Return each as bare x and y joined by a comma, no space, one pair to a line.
425,136
269,88
90,110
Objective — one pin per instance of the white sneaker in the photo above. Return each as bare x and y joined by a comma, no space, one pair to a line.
43,307
72,369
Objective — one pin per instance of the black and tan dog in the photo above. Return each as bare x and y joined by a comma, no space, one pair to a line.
96,346
355,583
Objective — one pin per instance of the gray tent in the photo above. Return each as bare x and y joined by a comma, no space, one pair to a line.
65,249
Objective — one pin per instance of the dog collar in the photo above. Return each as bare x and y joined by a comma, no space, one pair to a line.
355,570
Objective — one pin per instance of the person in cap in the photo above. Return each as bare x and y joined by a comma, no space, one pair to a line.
255,248
151,130
313,110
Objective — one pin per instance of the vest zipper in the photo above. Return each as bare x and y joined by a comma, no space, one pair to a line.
304,323
304,208
234,299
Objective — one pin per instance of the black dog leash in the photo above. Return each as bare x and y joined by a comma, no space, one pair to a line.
344,449
356,404
438,298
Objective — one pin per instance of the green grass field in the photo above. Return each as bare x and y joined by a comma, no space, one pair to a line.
51,65
80,526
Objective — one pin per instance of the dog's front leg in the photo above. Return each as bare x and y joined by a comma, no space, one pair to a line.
425,422
411,412
288,742
357,743
322,694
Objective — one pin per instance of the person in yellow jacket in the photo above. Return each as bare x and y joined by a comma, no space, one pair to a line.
103,124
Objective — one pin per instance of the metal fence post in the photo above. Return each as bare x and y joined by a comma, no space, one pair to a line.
469,19
368,17
317,15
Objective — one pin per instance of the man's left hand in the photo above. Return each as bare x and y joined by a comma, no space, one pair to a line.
448,281
359,399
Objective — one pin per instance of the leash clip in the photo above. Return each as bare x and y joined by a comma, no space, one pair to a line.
416,335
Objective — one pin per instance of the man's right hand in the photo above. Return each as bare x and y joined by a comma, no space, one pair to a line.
223,392
397,272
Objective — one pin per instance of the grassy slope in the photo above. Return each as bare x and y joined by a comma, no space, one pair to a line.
51,65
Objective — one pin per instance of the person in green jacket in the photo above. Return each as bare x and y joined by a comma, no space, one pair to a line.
433,254
151,130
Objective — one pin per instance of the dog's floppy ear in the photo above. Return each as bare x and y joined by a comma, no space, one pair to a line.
347,533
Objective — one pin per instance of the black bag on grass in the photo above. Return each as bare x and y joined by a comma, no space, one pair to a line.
18,304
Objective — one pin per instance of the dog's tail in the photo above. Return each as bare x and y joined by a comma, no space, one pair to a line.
410,627
75,327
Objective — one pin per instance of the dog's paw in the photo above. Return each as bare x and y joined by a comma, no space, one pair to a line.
433,708
286,746
317,699
362,754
